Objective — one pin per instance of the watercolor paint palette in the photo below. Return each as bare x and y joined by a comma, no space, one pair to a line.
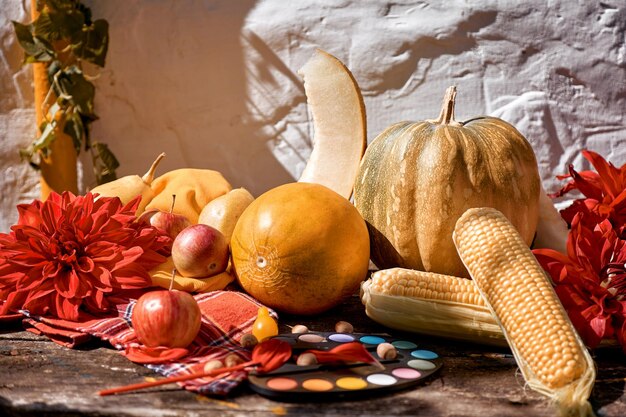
295,383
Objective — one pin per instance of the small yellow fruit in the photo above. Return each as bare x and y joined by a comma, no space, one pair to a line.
300,248
223,212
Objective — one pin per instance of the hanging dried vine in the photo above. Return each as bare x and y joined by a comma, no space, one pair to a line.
64,36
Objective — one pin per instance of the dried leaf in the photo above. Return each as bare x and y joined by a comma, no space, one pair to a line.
105,163
80,92
93,44
74,128
36,49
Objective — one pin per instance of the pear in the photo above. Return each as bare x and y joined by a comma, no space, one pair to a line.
130,186
223,212
339,123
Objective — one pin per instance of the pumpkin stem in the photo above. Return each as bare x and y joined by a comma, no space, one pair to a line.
446,117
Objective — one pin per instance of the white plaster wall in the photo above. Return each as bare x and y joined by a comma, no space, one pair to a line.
18,182
213,83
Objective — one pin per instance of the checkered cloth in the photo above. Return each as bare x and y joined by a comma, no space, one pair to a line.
226,317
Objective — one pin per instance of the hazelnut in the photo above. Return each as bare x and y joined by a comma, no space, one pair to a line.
232,360
248,341
306,359
212,365
386,351
344,327
299,328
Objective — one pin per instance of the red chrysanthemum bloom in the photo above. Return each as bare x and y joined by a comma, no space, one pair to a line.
605,191
591,280
70,253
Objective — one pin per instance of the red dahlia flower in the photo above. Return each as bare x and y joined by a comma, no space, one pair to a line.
591,280
605,191
73,252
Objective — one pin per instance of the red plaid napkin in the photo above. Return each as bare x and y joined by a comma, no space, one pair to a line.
226,317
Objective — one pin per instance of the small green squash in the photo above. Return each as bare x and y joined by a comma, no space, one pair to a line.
417,178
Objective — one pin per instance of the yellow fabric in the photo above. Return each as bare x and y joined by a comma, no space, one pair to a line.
194,188
162,274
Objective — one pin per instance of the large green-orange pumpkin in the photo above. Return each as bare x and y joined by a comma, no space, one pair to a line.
417,178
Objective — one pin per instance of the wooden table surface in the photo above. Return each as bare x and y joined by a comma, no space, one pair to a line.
40,378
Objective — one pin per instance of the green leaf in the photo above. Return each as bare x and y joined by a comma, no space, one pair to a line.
73,83
48,135
94,43
105,163
37,50
58,4
74,128
87,131
54,25
72,24
26,154
45,28
54,67
41,4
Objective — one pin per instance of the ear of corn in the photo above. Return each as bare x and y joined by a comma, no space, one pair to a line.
429,303
547,348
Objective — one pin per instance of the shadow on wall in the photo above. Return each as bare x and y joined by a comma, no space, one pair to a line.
175,82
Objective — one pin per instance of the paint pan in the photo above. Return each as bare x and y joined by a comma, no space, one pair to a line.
414,363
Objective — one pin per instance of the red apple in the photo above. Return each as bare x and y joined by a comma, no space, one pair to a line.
169,222
200,251
166,318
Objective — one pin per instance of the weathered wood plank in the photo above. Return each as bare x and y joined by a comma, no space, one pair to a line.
40,378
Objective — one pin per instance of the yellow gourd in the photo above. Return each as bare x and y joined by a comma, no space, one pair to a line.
130,186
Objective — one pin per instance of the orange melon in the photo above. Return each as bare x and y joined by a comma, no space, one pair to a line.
300,248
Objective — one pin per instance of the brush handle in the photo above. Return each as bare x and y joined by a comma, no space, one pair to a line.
170,380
